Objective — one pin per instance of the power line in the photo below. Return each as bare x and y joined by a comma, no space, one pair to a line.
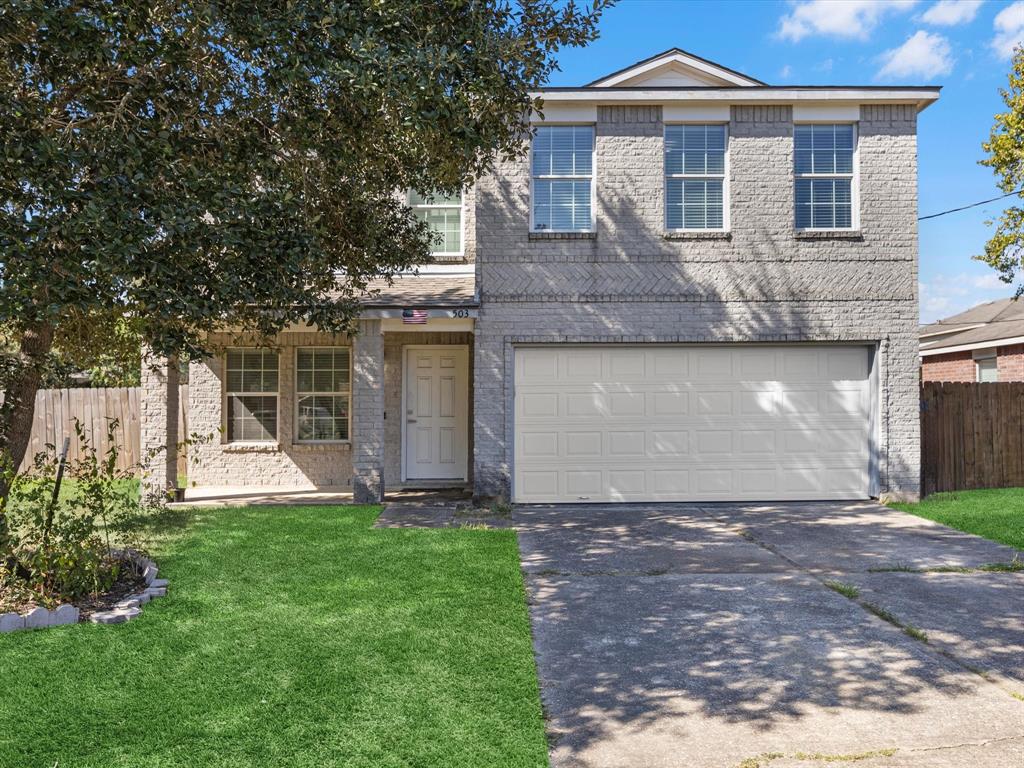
972,205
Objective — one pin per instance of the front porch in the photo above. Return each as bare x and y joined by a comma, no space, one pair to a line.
315,417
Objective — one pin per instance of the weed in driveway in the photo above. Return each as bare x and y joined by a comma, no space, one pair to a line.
908,629
851,758
762,760
896,568
846,590
1013,566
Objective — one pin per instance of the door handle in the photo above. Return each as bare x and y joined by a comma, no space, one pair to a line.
410,421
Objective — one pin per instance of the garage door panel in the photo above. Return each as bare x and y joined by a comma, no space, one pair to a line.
742,422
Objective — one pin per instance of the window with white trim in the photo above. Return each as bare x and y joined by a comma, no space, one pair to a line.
444,217
562,168
695,177
323,389
251,395
986,366
824,170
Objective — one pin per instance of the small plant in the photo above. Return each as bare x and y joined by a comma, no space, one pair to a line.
65,533
1013,566
846,590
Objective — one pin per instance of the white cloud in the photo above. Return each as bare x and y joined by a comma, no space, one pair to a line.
1009,27
854,19
949,13
946,295
924,55
786,72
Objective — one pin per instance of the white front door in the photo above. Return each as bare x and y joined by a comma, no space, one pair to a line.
436,433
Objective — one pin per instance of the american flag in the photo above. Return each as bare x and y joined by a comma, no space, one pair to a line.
414,316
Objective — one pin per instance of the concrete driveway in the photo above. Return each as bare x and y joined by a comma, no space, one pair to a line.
705,635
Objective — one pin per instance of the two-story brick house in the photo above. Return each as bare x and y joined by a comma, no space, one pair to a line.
693,286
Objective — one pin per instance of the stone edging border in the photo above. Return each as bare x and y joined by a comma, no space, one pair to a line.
128,608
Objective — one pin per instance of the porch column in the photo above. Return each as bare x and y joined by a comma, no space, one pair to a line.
368,413
158,425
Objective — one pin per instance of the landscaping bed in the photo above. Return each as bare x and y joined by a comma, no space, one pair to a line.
128,582
294,636
996,514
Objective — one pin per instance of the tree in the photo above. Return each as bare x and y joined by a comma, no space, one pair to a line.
1005,147
178,165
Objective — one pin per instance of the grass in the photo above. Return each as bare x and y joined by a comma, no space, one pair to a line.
843,588
291,636
908,629
996,514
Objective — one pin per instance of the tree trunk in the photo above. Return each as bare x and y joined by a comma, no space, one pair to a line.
18,411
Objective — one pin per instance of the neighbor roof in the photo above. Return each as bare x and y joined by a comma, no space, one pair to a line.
986,325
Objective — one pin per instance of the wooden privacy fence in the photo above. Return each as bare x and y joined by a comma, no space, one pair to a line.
57,409
972,435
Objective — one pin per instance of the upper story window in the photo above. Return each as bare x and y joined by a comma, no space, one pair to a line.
444,216
695,177
251,392
824,169
563,178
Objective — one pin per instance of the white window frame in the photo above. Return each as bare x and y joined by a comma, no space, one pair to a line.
462,222
984,356
300,394
229,393
854,178
726,219
593,180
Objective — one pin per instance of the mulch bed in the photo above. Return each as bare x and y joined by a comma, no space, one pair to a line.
128,583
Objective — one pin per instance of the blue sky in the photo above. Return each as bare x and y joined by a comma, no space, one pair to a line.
962,45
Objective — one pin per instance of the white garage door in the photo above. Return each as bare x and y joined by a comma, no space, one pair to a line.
708,423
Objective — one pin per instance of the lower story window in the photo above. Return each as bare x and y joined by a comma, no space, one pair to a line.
323,392
987,368
251,395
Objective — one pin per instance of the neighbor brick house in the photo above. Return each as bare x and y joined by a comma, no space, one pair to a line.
985,343
693,286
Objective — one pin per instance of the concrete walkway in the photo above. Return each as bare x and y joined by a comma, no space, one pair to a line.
681,635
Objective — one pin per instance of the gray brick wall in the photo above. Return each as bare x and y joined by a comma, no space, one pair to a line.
284,463
368,415
158,425
763,282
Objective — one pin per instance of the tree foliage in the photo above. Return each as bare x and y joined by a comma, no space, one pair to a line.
181,164
1005,148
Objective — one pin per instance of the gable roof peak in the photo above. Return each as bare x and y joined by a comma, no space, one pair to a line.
674,67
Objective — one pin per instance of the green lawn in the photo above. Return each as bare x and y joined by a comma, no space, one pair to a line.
996,514
292,636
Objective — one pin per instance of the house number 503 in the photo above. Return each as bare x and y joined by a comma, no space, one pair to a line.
460,313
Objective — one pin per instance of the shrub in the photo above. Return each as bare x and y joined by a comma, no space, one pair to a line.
63,544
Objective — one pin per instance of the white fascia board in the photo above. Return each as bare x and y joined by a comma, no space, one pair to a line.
970,347
680,113
748,95
391,320
566,113
464,270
